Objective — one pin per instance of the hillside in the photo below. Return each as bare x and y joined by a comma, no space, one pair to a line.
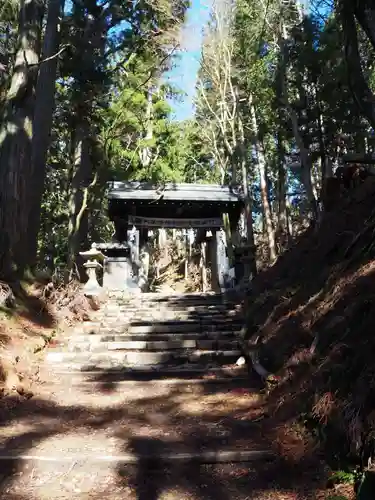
28,325
314,314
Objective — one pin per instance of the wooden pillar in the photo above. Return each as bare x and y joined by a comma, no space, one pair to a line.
187,255
121,229
215,285
203,266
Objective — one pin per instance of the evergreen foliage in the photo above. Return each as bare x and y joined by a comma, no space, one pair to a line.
273,90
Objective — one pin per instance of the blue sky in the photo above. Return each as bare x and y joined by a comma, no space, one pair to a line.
184,75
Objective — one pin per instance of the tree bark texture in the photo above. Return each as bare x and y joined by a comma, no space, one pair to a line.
251,266
79,190
282,216
364,11
263,185
15,143
83,178
360,89
44,106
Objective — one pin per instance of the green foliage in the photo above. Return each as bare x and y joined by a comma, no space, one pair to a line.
110,79
8,38
317,85
342,477
107,77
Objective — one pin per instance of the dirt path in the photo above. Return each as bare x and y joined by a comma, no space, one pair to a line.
149,482
72,423
95,436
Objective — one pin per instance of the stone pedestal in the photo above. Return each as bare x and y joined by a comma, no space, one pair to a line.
118,274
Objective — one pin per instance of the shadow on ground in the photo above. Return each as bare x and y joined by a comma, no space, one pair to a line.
153,479
181,417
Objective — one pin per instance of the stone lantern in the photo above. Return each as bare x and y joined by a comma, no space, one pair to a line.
92,288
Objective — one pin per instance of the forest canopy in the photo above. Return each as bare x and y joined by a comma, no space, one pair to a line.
284,91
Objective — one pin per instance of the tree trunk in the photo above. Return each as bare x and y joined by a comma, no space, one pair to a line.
252,271
79,192
289,218
305,157
251,266
306,165
145,154
263,185
364,11
359,87
83,178
15,143
44,106
325,170
282,216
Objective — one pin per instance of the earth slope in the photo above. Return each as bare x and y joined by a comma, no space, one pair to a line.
314,314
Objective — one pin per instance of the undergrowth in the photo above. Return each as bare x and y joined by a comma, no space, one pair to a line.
31,314
322,292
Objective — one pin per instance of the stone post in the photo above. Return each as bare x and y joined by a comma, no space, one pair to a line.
222,260
144,269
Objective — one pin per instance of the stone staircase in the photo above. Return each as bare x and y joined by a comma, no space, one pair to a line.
154,332
144,401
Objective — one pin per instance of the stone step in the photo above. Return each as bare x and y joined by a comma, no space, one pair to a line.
168,297
169,315
215,320
172,307
173,304
157,318
182,326
157,371
123,381
170,312
154,336
151,373
141,358
11,458
149,327
153,345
